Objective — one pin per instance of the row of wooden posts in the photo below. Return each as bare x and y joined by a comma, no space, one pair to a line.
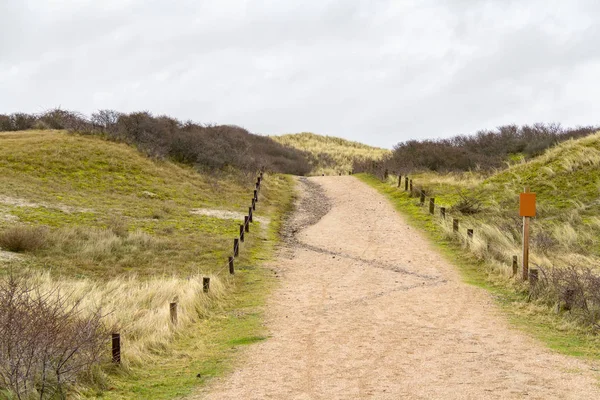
531,274
244,228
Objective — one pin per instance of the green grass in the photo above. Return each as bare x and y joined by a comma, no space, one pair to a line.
114,218
88,182
537,320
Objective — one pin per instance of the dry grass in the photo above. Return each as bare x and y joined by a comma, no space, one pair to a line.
331,155
23,238
140,308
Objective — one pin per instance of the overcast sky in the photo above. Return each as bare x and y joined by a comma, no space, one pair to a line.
375,71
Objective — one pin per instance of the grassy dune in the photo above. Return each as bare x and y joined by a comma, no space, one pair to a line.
109,225
566,230
330,155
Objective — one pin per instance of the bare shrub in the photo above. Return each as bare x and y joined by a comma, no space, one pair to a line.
46,344
468,205
23,238
576,290
485,150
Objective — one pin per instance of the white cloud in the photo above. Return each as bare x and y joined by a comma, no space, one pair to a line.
376,71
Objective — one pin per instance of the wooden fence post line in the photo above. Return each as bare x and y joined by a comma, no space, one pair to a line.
406,183
241,233
236,247
116,348
533,278
256,196
253,203
173,312
431,205
422,197
231,269
247,223
470,234
515,265
250,214
206,284
443,212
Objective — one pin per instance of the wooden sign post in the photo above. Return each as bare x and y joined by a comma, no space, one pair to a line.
526,210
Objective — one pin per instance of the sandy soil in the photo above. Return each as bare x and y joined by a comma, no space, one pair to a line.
367,309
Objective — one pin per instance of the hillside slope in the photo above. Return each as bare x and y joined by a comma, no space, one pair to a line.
566,179
564,235
102,222
330,155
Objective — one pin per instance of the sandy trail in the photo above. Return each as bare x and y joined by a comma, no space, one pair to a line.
367,309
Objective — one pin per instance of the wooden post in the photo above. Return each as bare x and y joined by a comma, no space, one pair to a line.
247,223
526,244
422,197
455,225
257,186
231,269
236,247
253,204
399,180
470,234
173,312
405,183
242,233
116,348
256,196
250,214
431,205
515,265
533,278
206,284
443,212
411,185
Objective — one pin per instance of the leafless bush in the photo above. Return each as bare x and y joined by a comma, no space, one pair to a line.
46,343
468,205
485,150
210,147
23,238
544,241
577,290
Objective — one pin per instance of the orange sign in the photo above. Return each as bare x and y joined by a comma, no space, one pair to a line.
527,205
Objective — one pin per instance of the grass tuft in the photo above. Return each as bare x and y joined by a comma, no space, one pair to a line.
23,238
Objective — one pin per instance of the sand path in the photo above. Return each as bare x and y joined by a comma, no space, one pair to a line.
367,309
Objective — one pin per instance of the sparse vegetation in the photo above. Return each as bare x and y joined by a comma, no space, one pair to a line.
331,155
